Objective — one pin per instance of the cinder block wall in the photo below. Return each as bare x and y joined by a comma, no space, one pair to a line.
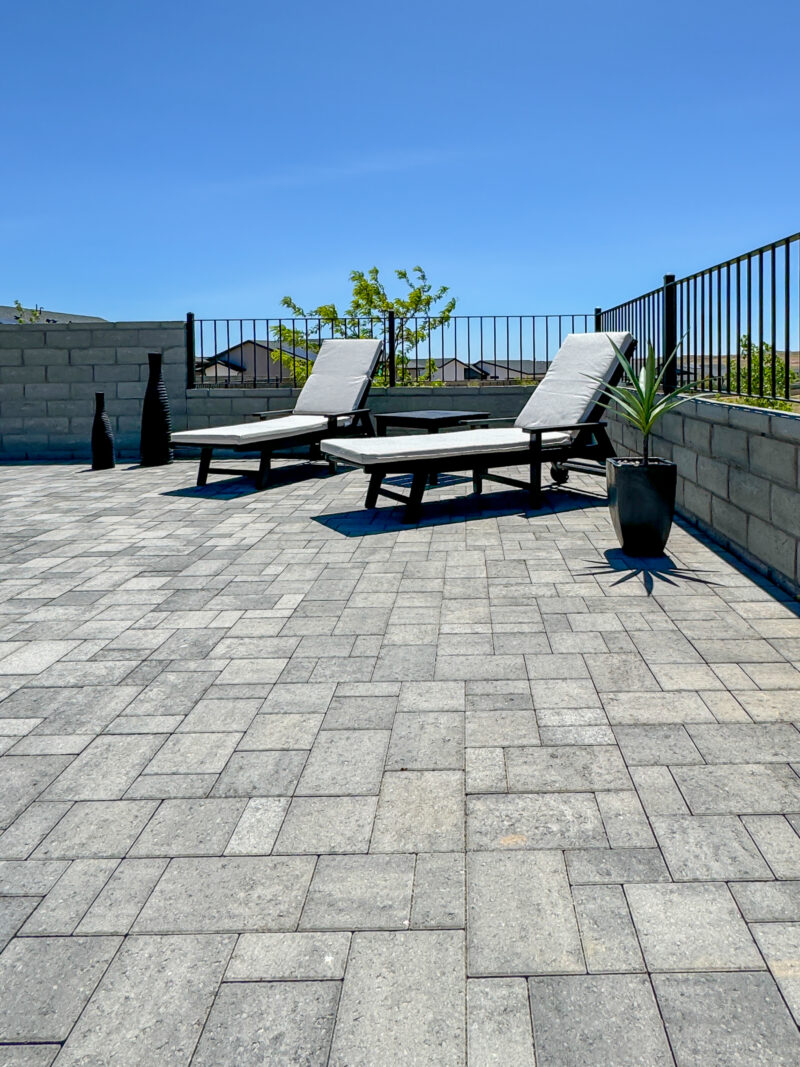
50,373
215,407
738,478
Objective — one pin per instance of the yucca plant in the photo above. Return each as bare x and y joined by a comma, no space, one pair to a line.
639,402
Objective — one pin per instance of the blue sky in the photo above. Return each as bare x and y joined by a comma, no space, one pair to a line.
536,157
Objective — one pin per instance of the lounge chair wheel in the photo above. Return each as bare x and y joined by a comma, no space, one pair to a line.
558,474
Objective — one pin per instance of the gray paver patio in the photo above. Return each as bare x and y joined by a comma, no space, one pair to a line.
284,781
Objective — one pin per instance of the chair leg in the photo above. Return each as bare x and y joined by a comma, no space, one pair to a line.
477,481
375,479
535,472
414,505
314,452
264,465
205,463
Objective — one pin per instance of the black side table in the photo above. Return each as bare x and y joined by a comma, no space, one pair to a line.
430,420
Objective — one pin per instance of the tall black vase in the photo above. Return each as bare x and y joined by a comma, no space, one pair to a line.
155,445
102,438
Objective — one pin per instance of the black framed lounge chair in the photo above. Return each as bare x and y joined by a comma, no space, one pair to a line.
331,401
560,424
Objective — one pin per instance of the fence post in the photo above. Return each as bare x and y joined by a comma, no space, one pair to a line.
190,350
598,320
670,338
392,353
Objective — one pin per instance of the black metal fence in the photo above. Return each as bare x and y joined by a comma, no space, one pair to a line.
226,353
736,326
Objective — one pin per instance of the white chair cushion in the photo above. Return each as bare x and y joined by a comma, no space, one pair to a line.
251,432
567,393
342,372
372,450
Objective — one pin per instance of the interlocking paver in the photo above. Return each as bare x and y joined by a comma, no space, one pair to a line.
499,1023
360,893
47,982
152,1001
691,928
402,1000
733,1019
209,737
315,825
520,918
227,895
289,957
628,1035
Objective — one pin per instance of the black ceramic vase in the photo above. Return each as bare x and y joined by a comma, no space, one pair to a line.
641,500
102,437
155,446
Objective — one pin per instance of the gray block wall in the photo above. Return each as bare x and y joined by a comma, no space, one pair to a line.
215,407
738,478
49,375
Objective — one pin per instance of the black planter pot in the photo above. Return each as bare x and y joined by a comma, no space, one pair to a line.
641,500
154,443
102,438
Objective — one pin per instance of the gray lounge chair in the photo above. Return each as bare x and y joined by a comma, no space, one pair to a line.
332,400
561,423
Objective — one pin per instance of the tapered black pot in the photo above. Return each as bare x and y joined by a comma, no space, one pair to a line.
641,500
155,442
102,437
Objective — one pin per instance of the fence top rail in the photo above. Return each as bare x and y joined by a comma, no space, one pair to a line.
398,318
628,303
771,247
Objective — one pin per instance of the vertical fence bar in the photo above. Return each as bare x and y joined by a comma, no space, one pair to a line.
670,332
773,324
190,350
786,321
392,352
598,320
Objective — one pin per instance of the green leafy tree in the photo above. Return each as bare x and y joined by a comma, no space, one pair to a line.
27,315
416,310
759,359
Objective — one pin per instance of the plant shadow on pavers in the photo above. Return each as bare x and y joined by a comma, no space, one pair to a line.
651,570
388,519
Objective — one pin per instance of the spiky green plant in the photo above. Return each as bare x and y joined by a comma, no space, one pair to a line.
639,401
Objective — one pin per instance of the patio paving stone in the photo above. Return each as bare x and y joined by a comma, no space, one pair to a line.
630,1035
360,747
499,1022
152,1002
738,1020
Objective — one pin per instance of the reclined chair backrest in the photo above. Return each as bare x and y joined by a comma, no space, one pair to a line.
568,393
341,376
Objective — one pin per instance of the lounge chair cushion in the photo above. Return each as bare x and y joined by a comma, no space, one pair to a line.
567,393
371,451
251,432
342,372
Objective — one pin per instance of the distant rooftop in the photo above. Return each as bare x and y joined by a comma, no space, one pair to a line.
9,316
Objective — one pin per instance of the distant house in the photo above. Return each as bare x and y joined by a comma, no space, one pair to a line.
9,316
506,370
447,370
268,362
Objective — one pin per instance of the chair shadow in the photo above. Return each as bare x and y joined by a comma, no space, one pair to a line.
388,519
651,570
236,486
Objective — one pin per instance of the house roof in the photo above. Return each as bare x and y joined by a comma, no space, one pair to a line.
9,316
224,355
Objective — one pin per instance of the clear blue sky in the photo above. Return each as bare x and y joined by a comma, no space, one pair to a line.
536,157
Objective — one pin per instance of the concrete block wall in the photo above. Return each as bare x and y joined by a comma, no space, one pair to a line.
738,478
215,407
50,373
